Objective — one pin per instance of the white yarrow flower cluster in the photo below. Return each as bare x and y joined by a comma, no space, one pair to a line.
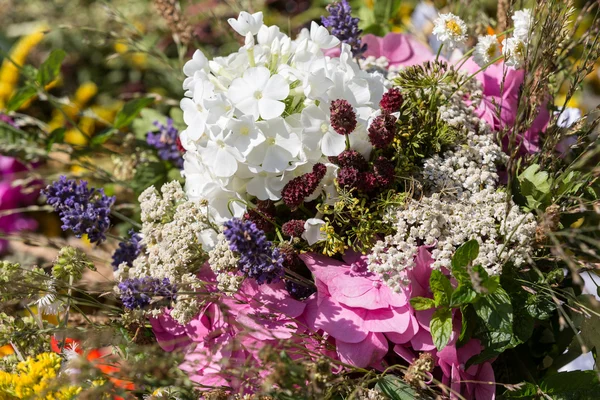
259,117
450,30
514,49
460,203
174,233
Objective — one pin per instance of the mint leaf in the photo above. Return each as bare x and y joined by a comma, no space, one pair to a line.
441,327
441,287
464,294
422,303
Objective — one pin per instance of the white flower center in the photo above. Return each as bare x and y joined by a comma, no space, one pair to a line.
258,95
244,131
199,107
271,141
324,127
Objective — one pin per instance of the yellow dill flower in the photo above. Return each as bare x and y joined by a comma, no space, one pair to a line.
9,72
84,93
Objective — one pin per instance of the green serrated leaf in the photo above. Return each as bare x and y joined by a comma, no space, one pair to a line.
395,388
56,136
464,294
422,303
465,254
130,110
572,385
441,327
19,97
441,287
50,68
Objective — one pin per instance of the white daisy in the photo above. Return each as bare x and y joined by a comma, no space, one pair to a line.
486,50
450,30
514,51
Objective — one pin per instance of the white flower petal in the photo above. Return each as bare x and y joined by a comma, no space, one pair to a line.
257,77
333,144
312,231
276,88
269,108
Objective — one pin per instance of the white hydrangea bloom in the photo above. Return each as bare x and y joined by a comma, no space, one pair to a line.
522,20
486,50
259,117
450,30
514,51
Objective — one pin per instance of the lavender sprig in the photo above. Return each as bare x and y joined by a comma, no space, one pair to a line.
258,259
138,293
344,26
165,141
82,210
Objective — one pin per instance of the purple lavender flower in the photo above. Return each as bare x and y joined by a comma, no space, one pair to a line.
83,210
128,250
165,141
138,293
298,291
258,259
344,27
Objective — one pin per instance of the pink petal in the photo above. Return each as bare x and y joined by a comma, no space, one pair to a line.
407,354
406,336
405,50
369,351
373,45
341,322
487,390
424,317
455,382
422,341
275,297
388,320
198,328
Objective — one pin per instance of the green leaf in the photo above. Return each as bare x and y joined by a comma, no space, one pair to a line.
441,327
56,136
441,287
21,96
130,110
50,68
495,325
102,137
422,303
465,254
464,294
535,187
573,385
145,122
395,388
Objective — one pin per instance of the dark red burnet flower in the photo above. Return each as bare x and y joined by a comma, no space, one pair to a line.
263,215
296,190
293,228
348,178
350,158
384,172
343,117
391,100
382,130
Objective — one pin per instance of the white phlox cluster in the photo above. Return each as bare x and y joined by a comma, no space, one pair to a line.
260,117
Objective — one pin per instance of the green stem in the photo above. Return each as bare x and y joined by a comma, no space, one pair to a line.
437,56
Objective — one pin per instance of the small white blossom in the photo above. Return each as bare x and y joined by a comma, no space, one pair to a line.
247,23
321,36
450,30
312,231
514,51
259,94
522,21
486,50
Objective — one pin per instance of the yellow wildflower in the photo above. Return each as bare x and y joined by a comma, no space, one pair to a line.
9,72
36,377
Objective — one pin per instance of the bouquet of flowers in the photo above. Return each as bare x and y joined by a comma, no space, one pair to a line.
358,217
